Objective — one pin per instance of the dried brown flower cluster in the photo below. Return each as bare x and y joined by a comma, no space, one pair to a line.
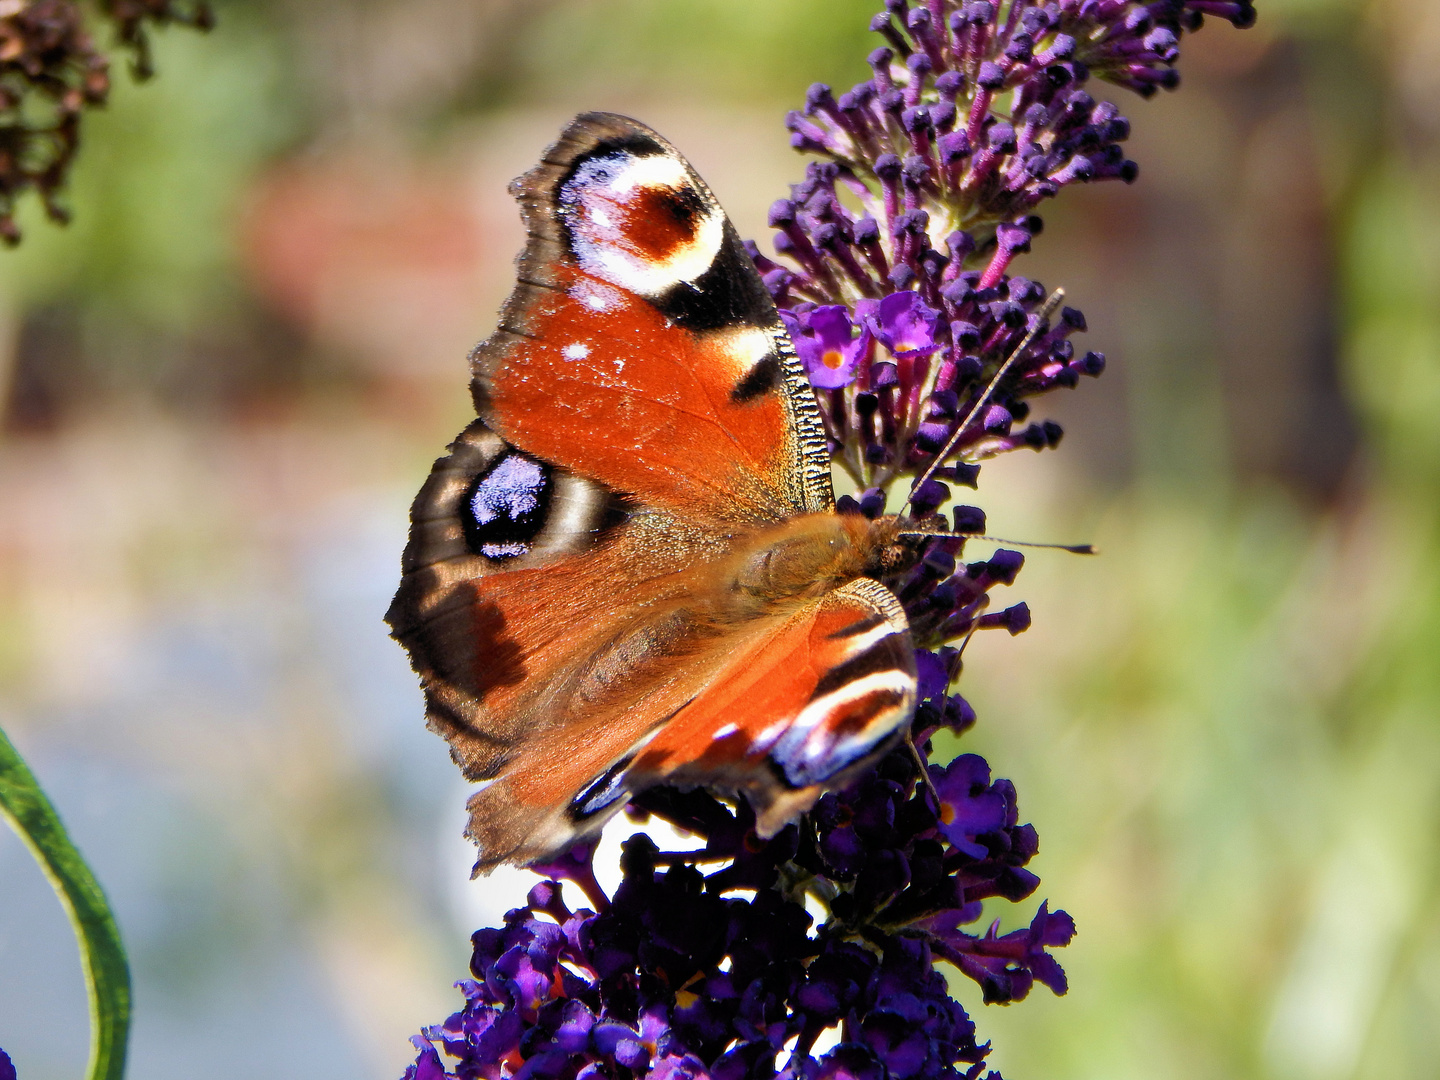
130,18
50,72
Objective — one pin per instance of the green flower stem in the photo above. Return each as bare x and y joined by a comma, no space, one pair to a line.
107,974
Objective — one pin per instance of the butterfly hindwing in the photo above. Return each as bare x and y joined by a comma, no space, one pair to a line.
784,707
518,576
826,691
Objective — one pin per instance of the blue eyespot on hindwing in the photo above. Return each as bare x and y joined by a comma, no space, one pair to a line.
506,506
605,790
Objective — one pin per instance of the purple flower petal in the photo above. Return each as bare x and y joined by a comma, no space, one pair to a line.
905,324
851,1061
931,676
427,1063
970,806
824,341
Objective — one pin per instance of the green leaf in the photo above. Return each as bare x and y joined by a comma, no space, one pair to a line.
107,974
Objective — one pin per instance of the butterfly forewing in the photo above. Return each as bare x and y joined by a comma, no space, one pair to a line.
518,578
641,331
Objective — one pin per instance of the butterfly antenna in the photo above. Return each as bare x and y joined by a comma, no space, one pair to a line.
1074,549
921,764
1046,310
910,732
960,652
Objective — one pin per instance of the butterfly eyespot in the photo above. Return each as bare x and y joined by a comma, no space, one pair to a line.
605,790
635,219
506,507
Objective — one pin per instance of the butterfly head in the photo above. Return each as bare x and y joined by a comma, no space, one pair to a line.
891,544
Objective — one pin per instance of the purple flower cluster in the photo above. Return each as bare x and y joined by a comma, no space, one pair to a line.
677,976
923,351
897,244
895,252
978,109
897,376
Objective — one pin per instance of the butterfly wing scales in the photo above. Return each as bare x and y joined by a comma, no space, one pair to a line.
823,694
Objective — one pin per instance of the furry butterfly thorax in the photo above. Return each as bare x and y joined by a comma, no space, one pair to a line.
629,569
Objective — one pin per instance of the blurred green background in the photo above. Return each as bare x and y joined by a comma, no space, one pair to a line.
222,384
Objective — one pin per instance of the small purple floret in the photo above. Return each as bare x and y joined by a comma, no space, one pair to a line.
905,325
827,345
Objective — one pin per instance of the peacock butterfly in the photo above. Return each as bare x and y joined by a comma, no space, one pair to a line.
629,570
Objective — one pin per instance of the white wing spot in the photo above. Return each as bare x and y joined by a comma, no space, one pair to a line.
576,351
597,297
859,643
652,170
767,738
744,347
723,732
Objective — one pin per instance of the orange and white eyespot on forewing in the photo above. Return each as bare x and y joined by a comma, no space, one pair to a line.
639,221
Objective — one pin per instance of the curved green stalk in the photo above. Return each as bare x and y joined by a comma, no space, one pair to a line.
107,974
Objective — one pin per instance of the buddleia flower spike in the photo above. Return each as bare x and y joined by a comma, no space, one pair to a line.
816,953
